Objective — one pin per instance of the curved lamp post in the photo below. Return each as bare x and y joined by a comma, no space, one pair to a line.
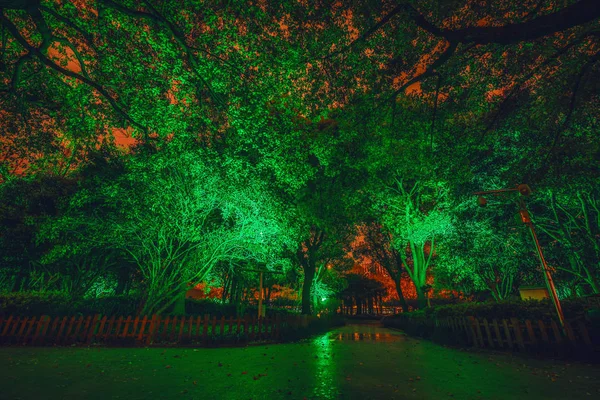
525,190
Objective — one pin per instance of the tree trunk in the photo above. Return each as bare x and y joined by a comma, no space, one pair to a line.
235,293
421,298
123,279
18,283
398,283
309,274
226,288
179,305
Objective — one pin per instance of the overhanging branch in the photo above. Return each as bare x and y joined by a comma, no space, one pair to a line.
37,52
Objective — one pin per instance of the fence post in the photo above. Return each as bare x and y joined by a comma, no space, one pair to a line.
198,324
507,332
140,336
153,324
569,332
21,329
497,332
92,329
531,332
478,331
181,326
205,329
543,332
488,333
518,333
557,334
75,334
28,331
222,328
583,332
471,329
277,326
43,323
60,330
304,320
6,326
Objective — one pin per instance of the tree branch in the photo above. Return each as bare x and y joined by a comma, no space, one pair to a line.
579,13
435,106
86,35
178,36
430,71
572,102
531,73
37,52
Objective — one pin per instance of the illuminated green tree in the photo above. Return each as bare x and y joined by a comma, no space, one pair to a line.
333,106
414,213
177,216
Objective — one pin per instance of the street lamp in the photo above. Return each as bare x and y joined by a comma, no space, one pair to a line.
525,190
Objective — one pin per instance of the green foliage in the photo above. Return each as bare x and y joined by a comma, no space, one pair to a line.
528,309
267,130
569,225
488,250
61,304
176,214
218,309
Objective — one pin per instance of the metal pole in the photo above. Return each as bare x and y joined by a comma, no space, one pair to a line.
525,190
547,274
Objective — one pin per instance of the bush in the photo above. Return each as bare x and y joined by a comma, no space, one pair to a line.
218,309
35,304
60,304
209,306
110,305
523,309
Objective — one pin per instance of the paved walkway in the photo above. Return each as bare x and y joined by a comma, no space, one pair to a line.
353,362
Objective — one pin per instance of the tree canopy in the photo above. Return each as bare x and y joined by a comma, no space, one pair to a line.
272,130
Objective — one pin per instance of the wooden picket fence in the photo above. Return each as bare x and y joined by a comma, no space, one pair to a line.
504,334
147,331
519,334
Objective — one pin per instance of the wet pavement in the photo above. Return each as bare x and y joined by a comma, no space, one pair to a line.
353,362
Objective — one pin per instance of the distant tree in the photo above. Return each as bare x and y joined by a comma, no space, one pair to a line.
378,245
362,292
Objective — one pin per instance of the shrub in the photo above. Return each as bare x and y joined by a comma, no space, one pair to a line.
523,309
218,309
109,305
209,306
60,304
35,303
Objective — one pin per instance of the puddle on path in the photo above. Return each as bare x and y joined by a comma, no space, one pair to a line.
360,336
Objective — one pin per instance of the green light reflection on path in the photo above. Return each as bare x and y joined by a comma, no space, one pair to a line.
325,386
